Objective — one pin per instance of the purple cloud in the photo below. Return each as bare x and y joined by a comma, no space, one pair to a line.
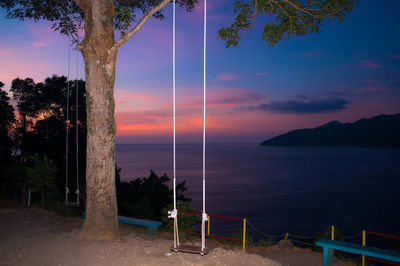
369,64
309,106
261,74
228,77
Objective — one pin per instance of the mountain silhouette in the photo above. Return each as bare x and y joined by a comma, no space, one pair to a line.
378,131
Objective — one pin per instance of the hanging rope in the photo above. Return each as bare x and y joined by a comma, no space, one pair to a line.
67,129
77,131
265,234
174,213
67,203
204,215
352,236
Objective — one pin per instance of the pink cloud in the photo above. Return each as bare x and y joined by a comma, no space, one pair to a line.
40,44
369,64
228,77
21,62
124,96
395,56
224,98
198,12
261,74
372,89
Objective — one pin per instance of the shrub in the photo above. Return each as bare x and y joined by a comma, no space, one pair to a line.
146,197
186,221
41,176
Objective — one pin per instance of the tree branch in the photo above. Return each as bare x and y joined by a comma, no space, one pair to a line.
80,4
125,37
253,17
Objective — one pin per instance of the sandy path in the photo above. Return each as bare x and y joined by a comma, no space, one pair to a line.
38,237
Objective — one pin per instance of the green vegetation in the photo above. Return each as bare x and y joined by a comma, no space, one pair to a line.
39,133
186,221
147,197
41,177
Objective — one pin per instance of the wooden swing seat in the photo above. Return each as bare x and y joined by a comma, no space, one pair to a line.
72,204
190,249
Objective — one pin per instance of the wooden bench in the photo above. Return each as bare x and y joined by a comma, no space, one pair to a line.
135,221
332,245
142,222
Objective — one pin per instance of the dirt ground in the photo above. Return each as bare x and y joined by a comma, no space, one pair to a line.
38,237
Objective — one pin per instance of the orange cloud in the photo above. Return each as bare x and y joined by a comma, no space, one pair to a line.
125,96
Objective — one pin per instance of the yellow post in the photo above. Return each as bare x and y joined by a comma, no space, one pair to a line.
363,243
331,251
286,236
244,234
208,228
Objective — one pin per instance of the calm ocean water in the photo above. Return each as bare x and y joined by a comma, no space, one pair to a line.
282,189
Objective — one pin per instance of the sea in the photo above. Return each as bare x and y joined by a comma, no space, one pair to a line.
299,190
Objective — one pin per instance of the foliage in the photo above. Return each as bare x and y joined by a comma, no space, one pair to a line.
327,233
67,17
41,176
41,127
266,242
7,119
146,197
186,221
286,18
14,183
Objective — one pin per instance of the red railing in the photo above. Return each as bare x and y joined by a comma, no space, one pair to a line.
384,235
214,215
381,234
217,216
214,236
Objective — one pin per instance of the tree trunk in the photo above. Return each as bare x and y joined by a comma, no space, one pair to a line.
101,221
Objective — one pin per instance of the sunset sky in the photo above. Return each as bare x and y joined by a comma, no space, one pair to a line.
349,71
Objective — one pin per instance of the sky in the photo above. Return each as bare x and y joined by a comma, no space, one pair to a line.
349,71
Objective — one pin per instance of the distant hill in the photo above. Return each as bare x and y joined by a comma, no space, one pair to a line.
378,131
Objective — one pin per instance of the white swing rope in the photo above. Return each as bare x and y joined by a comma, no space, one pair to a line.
204,214
77,132
174,213
67,129
67,132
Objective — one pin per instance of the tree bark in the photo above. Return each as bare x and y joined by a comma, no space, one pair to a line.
101,221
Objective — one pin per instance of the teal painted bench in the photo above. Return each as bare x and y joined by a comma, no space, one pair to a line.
142,222
327,245
135,221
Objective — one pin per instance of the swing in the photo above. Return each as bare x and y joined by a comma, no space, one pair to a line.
177,247
67,202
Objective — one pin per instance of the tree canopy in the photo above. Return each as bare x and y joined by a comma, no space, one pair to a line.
67,16
286,18
7,119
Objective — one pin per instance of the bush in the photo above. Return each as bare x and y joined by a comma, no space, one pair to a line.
186,221
266,242
14,184
41,177
146,197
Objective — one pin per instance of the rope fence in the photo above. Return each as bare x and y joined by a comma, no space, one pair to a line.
303,240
